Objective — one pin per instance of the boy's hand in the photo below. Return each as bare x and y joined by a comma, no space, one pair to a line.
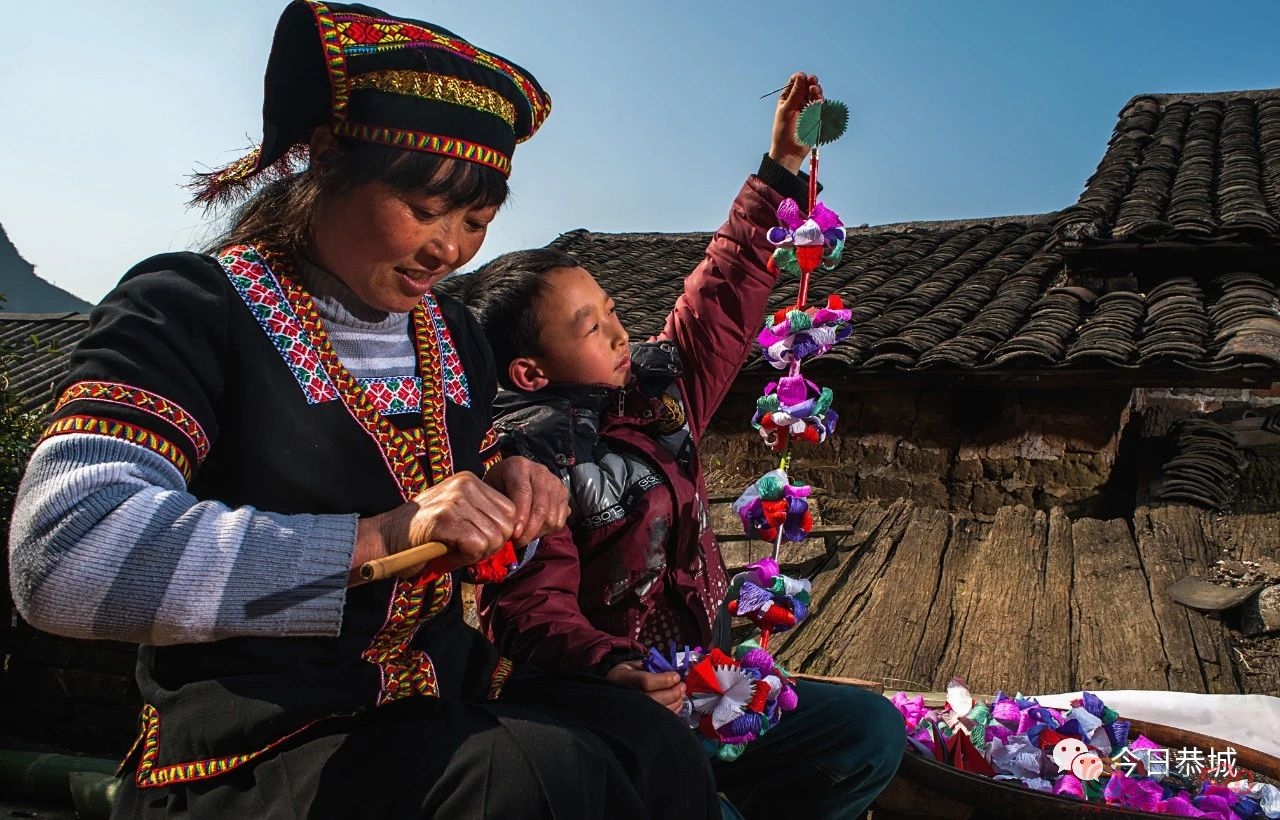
665,688
800,91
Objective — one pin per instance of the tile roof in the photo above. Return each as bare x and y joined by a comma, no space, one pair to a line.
982,297
34,348
1185,167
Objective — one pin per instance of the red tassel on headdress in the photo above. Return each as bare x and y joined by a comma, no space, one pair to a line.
237,180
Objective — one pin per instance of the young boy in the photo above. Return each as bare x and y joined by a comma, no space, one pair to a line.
638,565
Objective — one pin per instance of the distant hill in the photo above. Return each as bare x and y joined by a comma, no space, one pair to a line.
25,292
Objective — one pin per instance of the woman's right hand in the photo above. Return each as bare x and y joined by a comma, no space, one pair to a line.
468,516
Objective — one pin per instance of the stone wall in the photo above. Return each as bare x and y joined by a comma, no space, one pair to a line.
1161,407
966,450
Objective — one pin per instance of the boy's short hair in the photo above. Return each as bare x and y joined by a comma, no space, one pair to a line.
503,295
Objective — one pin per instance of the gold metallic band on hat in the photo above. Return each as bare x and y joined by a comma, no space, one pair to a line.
422,141
439,87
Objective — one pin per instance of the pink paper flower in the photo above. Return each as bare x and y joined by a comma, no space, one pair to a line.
1070,786
1132,793
912,709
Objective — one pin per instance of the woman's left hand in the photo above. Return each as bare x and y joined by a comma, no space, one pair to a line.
541,499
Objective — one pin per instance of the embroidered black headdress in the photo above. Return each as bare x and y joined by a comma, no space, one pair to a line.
384,79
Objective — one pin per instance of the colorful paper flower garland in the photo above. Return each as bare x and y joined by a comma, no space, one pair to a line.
735,698
1067,752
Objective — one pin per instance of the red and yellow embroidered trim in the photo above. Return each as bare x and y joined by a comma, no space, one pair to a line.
144,400
434,431
248,273
150,776
440,88
399,449
408,672
359,34
430,143
455,375
489,454
499,678
334,58
405,672
94,425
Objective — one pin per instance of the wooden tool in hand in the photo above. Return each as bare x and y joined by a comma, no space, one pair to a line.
381,568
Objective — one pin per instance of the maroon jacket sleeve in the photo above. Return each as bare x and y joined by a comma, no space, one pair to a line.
716,319
534,617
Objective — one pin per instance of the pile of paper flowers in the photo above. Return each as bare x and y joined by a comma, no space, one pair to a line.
1085,753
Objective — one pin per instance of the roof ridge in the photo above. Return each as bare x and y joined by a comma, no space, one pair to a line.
1197,96
1046,218
567,240
57,316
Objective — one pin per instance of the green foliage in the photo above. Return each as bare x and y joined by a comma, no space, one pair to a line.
18,432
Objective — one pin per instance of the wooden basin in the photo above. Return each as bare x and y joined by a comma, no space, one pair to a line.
925,788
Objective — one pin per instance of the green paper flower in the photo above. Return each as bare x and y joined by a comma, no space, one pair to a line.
823,403
822,122
767,404
799,320
785,260
770,488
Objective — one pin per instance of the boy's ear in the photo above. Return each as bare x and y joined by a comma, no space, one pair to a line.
526,375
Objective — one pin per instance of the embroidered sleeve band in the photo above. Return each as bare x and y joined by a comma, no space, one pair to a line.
144,400
111,428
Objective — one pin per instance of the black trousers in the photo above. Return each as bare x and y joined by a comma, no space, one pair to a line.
825,761
562,748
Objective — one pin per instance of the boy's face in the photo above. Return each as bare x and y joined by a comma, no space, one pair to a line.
582,340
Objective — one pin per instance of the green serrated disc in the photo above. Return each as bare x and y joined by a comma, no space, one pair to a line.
822,122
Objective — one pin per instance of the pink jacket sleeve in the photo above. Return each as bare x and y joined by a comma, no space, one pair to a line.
716,319
534,616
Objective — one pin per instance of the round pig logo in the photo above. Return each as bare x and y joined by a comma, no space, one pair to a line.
1074,756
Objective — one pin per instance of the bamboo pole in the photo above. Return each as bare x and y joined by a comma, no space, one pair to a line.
381,568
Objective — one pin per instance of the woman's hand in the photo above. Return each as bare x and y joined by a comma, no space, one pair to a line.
462,512
664,688
541,499
801,90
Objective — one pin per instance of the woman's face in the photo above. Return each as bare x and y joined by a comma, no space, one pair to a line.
390,247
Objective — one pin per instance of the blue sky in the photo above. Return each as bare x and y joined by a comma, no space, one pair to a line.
959,109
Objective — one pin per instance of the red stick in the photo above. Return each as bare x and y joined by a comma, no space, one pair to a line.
803,296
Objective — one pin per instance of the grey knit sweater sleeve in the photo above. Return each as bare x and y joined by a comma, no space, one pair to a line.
106,542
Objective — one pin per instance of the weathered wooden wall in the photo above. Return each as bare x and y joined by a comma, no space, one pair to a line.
1010,538
1032,601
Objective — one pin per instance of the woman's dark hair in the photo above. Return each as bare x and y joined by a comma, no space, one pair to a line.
503,295
280,215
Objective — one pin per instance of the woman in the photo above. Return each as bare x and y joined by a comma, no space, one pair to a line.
239,432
